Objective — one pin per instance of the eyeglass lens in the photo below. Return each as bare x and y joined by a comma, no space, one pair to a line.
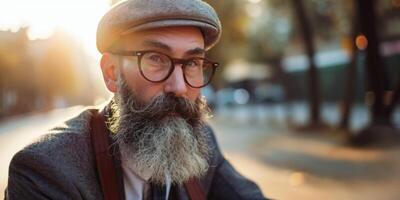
157,66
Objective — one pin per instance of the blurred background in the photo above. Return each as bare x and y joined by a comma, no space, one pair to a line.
306,102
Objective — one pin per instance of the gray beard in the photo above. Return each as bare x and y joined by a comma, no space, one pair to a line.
165,139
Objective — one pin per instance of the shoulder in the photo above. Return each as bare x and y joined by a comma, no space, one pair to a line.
59,161
64,143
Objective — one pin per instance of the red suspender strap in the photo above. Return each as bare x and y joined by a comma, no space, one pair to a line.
104,159
194,189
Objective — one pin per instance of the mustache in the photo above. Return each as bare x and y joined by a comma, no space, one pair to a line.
165,105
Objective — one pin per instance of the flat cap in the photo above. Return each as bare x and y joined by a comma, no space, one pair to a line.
134,15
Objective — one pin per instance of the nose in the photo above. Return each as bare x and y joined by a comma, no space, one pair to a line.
176,83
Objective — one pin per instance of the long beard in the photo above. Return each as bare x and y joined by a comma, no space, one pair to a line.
165,138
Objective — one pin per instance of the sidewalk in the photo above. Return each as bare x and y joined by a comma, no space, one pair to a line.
289,165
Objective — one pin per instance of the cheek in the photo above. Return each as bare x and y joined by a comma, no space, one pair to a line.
193,93
145,89
131,76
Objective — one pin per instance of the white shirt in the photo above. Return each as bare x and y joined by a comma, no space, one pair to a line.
134,184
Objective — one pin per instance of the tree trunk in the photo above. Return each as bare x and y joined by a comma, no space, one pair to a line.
380,131
349,92
394,101
313,82
350,79
377,81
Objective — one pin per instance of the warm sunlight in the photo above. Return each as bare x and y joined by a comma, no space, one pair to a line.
77,17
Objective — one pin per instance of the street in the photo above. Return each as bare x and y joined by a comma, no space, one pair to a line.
284,164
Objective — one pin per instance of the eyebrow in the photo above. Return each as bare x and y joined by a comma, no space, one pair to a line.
160,45
156,44
195,51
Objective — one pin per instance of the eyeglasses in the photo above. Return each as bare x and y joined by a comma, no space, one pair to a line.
157,67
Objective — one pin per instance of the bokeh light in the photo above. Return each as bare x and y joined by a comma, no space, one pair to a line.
361,42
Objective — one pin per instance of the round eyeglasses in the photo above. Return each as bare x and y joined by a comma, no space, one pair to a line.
156,67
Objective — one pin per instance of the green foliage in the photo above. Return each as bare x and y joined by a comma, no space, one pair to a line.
234,27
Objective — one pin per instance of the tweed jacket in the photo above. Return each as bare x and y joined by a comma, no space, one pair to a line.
61,165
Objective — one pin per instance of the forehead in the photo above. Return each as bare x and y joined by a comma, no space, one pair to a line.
173,37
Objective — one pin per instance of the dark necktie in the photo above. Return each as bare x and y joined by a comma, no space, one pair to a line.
155,192
159,192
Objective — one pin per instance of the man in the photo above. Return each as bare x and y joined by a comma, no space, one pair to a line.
153,60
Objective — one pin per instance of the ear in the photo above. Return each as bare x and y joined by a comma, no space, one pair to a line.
109,69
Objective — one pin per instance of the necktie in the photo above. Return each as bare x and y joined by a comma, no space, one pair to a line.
158,192
147,191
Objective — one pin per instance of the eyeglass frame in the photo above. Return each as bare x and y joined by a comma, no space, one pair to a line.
174,61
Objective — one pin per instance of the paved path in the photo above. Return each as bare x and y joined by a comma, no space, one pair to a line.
310,166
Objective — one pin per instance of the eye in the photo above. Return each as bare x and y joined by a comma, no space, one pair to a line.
194,63
157,58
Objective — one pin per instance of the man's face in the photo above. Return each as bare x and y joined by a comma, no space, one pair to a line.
176,42
155,143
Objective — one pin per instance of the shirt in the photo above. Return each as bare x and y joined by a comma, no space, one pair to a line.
135,185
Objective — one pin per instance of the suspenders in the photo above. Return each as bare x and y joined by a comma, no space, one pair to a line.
104,160
106,164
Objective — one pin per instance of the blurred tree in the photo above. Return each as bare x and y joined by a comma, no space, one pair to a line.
233,43
269,33
388,12
269,30
15,90
57,75
350,46
313,82
379,131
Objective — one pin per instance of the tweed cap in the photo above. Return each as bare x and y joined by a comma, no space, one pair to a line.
134,15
